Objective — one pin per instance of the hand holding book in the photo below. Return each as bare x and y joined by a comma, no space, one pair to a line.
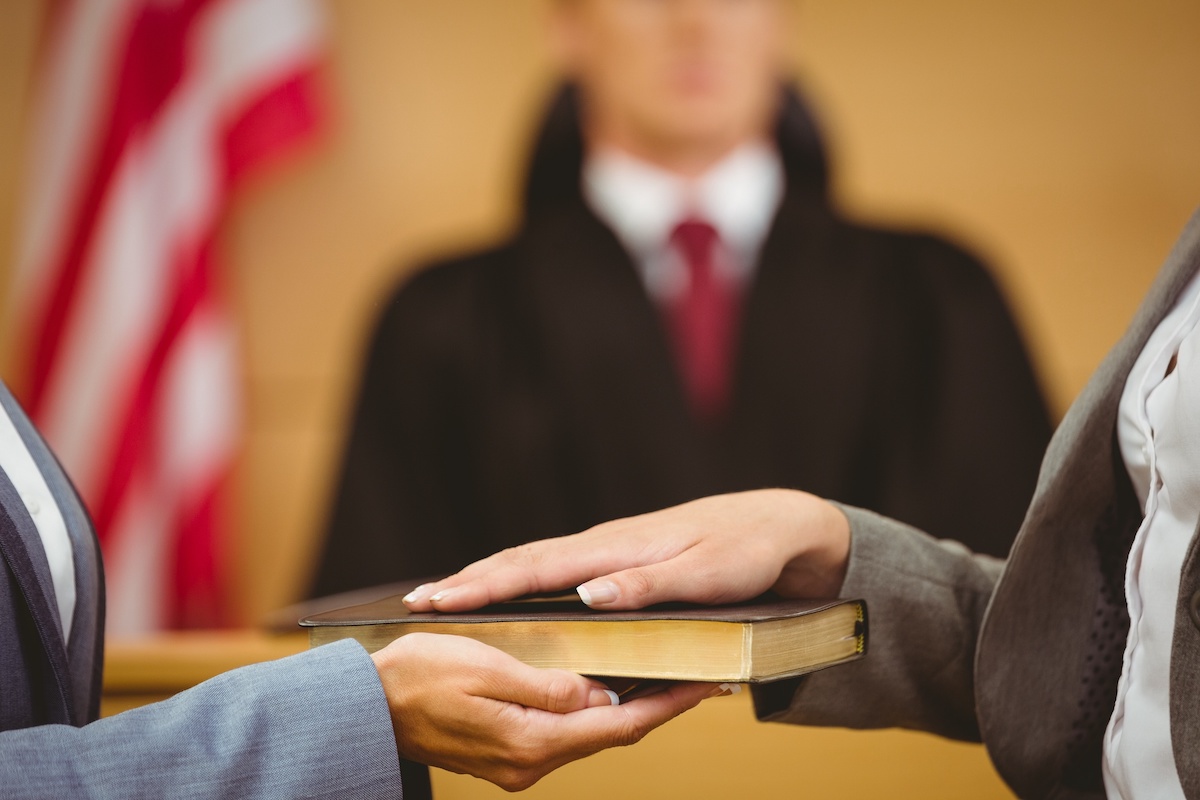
716,550
466,707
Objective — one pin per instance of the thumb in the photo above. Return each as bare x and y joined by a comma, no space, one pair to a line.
554,690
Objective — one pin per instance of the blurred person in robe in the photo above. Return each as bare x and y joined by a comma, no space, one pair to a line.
683,311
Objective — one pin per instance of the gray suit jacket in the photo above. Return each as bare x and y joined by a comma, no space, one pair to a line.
314,725
1013,652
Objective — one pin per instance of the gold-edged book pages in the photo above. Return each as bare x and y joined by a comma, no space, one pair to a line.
755,642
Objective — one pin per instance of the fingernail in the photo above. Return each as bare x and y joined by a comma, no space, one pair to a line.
597,593
417,593
726,689
444,594
603,697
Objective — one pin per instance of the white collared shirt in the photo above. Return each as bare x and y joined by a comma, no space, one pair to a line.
643,203
1158,428
21,469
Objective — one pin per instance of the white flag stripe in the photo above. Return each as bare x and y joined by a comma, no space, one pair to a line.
246,45
197,429
136,603
72,98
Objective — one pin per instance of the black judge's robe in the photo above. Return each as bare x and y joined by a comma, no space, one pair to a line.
529,390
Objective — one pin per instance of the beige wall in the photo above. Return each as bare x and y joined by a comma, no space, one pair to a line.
1059,139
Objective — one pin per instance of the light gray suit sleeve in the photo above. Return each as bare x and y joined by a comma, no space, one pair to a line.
312,725
925,605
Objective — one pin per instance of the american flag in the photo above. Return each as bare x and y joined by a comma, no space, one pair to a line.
146,113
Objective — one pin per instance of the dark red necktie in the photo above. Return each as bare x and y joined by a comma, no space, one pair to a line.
703,322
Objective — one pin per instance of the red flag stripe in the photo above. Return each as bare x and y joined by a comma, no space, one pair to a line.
151,68
196,557
284,115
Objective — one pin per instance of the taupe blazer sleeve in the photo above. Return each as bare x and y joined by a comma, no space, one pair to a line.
925,600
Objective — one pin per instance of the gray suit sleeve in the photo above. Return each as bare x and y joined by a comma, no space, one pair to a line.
312,725
925,604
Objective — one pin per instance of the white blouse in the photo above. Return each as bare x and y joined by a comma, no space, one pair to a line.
1158,429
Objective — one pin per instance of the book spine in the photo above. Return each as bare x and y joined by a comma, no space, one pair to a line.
747,666
860,628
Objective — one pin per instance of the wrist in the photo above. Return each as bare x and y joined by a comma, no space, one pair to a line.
817,548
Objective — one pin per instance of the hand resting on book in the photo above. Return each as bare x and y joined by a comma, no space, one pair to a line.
461,705
719,549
